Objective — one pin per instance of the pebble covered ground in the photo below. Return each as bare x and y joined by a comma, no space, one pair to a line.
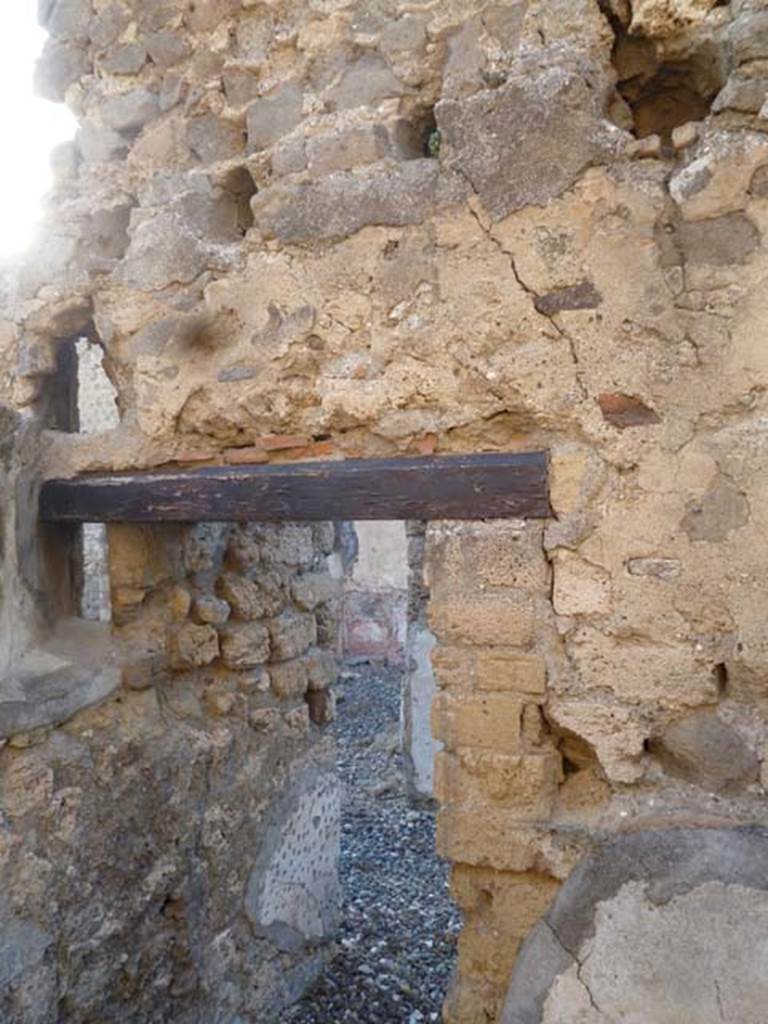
397,942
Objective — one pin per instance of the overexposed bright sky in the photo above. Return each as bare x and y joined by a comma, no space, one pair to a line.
29,127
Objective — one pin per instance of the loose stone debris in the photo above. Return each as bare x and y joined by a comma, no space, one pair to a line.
396,945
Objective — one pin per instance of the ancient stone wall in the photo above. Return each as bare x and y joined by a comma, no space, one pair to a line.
348,228
171,853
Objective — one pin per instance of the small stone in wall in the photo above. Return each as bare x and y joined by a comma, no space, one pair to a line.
243,596
244,645
322,706
577,296
127,59
212,609
342,203
219,702
718,241
662,568
204,546
322,670
289,679
624,411
273,116
749,37
179,603
212,138
292,633
720,511
758,186
703,749
130,110
253,681
190,646
167,48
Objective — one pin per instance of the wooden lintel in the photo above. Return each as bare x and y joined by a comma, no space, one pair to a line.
488,486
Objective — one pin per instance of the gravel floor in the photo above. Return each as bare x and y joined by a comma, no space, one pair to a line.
397,941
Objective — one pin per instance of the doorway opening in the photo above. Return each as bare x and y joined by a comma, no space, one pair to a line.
396,946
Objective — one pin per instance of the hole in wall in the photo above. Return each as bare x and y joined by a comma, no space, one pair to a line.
96,412
655,95
80,398
428,132
241,186
721,679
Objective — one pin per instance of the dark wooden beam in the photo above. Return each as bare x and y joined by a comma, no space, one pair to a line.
490,486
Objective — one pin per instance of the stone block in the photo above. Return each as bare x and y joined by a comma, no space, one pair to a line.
454,667
327,617
527,141
245,645
479,619
179,603
749,36
488,721
51,685
348,148
219,703
342,203
322,670
718,241
126,59
746,95
68,19
273,116
22,947
203,546
470,1001
499,909
106,27
322,706
704,749
500,670
524,785
498,840
494,554
191,646
62,65
99,144
244,596
289,679
721,510
292,633
241,86
212,609
130,110
291,544
365,83
167,48
211,138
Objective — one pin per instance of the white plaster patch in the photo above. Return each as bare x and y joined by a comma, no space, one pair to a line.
293,895
701,957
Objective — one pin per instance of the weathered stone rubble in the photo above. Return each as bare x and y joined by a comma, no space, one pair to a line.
352,228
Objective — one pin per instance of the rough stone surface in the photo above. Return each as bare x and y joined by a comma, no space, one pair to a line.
455,227
527,141
341,203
